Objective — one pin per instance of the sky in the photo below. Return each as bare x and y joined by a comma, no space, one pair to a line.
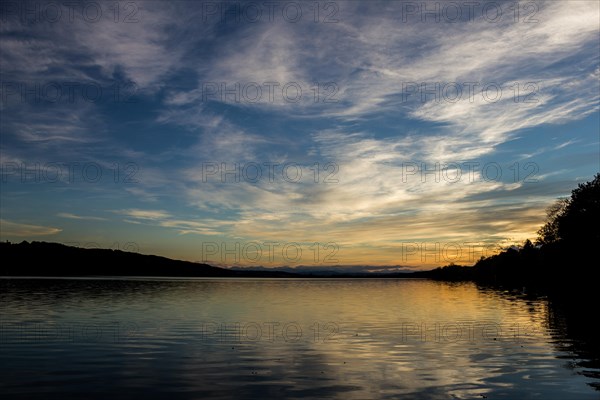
393,133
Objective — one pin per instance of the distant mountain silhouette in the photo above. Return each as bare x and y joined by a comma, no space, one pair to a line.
337,270
55,259
58,260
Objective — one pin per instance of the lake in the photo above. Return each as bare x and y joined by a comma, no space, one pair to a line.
280,338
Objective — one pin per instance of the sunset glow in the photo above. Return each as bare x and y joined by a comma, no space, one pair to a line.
356,133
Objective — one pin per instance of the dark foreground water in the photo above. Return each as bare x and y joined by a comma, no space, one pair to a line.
271,338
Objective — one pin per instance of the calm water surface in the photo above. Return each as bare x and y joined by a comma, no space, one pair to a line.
271,338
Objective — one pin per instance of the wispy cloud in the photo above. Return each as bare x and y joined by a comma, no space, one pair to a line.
10,229
371,131
80,217
144,214
166,220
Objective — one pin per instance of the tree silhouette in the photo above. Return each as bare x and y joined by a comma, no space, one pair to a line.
579,221
574,219
548,233
564,265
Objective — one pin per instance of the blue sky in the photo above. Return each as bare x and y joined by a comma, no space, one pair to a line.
437,137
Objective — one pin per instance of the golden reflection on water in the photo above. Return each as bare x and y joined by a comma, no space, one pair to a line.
369,338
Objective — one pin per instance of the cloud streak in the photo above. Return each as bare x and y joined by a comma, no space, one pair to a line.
11,228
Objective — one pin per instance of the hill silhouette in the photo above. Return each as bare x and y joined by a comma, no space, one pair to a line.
55,259
46,259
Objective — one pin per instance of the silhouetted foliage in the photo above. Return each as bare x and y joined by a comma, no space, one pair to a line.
562,263
579,222
548,233
574,219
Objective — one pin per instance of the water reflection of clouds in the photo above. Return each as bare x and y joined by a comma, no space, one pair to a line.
199,338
